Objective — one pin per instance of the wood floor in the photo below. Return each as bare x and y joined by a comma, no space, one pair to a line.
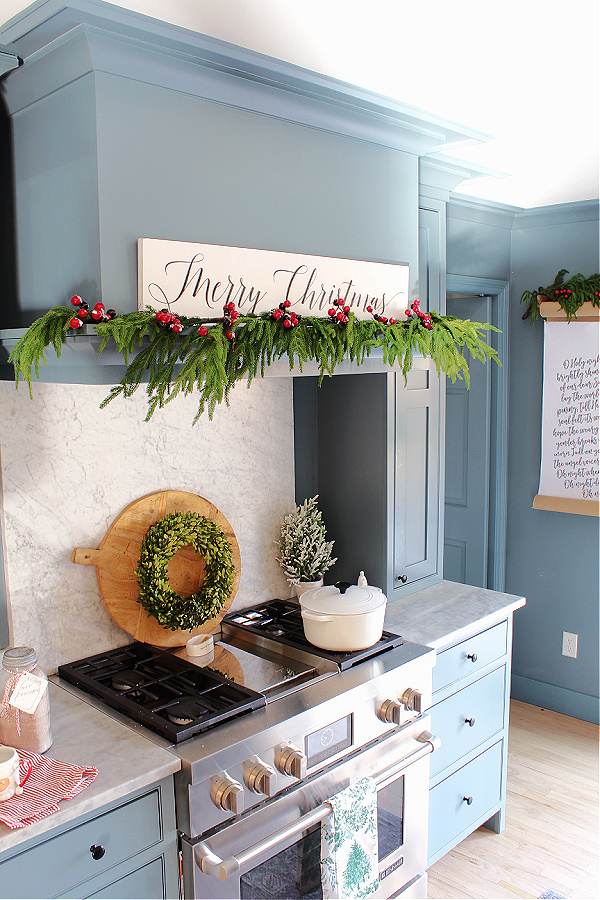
551,837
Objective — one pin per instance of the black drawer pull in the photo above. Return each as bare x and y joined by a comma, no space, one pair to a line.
470,721
472,657
97,851
468,800
402,578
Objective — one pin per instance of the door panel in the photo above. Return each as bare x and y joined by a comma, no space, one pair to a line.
417,475
468,461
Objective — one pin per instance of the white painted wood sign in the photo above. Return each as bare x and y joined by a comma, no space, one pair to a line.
198,279
569,473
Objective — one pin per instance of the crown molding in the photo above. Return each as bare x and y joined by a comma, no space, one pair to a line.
139,47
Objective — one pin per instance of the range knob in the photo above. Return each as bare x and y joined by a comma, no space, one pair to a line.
412,699
390,711
259,776
291,761
227,793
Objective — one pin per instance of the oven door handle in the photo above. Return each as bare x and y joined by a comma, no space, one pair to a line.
211,864
426,737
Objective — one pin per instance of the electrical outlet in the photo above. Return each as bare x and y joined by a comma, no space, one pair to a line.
569,644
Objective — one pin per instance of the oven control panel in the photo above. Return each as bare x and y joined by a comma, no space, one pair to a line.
298,736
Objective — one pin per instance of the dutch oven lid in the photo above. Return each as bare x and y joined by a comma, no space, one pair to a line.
343,598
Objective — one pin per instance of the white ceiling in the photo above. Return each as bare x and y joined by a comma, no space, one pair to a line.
525,72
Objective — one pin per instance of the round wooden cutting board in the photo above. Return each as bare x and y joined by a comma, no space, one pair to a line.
117,557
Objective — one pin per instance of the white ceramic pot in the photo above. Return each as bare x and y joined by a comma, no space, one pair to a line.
343,617
302,586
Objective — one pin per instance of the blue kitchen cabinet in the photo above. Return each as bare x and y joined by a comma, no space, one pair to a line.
469,713
380,450
379,476
125,850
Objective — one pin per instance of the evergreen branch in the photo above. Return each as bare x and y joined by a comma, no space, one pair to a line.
210,364
50,330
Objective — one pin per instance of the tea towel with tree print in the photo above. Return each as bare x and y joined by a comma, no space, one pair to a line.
349,844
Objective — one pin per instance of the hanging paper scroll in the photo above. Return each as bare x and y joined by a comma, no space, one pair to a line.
569,475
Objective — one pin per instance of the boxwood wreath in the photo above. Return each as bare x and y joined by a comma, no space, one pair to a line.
209,356
159,546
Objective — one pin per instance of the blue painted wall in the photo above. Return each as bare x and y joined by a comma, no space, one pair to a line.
478,240
551,558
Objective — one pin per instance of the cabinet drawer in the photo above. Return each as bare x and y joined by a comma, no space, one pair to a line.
467,718
146,883
449,812
469,656
61,863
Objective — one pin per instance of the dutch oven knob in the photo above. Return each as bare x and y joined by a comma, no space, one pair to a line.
342,586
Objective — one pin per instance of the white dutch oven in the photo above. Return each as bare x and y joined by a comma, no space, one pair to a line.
343,616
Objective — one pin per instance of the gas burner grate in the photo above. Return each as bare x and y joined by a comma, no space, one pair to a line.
281,621
163,692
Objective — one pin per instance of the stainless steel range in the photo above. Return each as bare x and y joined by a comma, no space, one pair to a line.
267,732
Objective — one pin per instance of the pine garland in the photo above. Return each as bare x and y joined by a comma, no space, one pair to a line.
211,364
305,554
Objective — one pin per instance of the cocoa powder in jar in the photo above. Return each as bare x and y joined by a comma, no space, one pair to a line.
19,729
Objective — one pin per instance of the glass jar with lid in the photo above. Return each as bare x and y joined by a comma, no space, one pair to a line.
24,702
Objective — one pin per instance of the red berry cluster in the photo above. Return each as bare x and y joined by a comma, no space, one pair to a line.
281,314
168,321
230,314
565,292
339,312
416,311
383,319
98,314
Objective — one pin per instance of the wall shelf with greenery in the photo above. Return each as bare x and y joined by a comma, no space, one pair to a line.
578,298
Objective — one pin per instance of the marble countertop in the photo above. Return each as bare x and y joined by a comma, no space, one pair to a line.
126,762
446,612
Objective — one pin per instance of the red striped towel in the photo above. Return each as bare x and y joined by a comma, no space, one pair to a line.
50,782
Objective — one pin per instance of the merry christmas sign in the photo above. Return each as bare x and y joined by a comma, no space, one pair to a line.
198,279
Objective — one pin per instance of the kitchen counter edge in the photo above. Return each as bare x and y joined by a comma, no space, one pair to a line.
446,613
84,736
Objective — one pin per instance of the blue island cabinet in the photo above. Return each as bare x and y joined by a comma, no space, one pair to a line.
470,703
124,850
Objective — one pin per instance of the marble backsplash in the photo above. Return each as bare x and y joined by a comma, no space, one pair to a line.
69,468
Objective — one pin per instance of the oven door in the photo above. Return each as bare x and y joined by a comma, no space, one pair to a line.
274,850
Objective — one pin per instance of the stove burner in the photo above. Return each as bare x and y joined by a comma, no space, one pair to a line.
127,681
186,711
161,691
281,621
